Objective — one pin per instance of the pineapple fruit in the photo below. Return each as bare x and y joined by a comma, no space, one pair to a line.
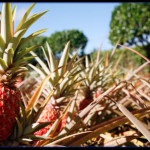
9,109
12,64
68,74
97,76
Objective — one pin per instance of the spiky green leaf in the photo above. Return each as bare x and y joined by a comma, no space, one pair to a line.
22,61
42,74
41,63
31,20
47,57
3,65
32,128
14,13
2,45
6,22
26,51
64,58
25,17
13,43
20,129
52,61
30,37
8,56
87,63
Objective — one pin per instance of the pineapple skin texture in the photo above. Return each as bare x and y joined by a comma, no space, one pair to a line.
50,113
84,103
9,110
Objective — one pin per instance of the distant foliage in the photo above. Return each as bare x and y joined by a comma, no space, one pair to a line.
128,59
58,40
131,23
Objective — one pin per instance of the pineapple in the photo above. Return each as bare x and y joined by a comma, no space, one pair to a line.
12,64
68,73
96,79
9,109
90,85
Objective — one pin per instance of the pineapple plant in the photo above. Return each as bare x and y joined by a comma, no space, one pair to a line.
68,74
13,64
97,77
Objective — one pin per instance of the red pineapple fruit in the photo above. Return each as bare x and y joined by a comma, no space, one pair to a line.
84,103
50,113
9,106
87,100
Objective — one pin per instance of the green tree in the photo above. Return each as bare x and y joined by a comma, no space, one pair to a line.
131,23
58,40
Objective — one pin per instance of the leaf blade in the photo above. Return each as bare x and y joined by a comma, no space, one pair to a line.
135,121
25,17
6,22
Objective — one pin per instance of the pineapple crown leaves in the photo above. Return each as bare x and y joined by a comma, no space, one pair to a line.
14,14
91,71
64,58
67,71
26,51
97,75
25,23
28,38
25,17
61,98
52,63
43,65
37,93
34,98
11,41
6,22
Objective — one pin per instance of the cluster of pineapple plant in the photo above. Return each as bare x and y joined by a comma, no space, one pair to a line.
114,99
72,101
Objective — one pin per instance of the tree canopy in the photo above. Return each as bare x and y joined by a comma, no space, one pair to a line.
131,23
58,40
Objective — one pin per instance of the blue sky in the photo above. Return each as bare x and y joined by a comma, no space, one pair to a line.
93,19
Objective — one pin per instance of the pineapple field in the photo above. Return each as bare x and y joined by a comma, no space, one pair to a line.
70,100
